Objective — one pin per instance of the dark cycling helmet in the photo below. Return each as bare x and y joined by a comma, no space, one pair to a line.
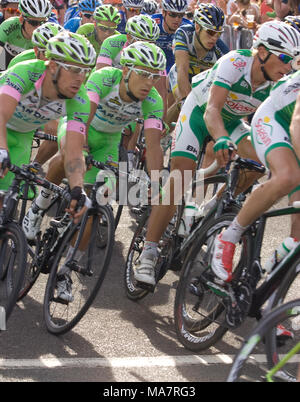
175,6
133,3
150,7
210,17
294,21
88,5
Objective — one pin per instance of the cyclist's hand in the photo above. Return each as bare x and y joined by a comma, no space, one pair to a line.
221,149
80,202
4,162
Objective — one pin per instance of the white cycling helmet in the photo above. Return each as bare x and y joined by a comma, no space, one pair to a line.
142,27
278,36
175,6
44,33
143,54
35,8
133,3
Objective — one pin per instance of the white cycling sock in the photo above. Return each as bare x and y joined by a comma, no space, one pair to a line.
149,250
64,269
234,232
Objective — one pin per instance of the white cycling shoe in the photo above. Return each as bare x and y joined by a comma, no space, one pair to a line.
144,271
32,222
64,288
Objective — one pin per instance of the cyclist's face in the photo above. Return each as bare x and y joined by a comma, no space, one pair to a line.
68,82
30,24
105,29
275,68
138,84
172,20
207,38
86,18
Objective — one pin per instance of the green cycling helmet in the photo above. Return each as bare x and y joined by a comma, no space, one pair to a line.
143,54
142,27
107,13
71,47
44,33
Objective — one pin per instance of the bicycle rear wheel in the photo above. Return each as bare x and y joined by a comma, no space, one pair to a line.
277,344
253,367
200,305
87,274
13,253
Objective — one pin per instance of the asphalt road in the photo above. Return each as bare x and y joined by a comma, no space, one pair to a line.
117,340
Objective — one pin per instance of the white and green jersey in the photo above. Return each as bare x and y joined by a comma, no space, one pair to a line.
24,82
12,39
26,55
233,72
113,114
110,52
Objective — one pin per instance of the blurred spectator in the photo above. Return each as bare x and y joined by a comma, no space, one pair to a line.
8,9
241,16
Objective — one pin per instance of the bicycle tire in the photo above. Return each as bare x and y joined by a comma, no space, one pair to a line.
12,265
266,325
288,291
199,311
61,318
133,292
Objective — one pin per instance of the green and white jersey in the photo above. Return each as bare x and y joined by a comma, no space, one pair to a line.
113,114
233,72
12,39
110,52
24,82
26,55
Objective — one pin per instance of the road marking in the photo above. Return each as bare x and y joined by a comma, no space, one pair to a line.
125,362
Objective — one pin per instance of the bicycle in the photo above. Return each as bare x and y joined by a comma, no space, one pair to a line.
286,368
13,244
206,307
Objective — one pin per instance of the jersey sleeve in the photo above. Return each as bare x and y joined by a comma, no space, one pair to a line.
180,40
3,32
78,110
101,82
229,70
110,48
153,110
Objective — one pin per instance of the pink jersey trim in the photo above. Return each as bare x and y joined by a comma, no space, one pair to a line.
76,126
93,96
39,82
153,123
8,90
104,60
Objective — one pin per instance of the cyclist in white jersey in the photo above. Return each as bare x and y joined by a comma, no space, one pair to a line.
234,88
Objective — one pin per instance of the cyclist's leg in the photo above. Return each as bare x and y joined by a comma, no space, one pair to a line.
47,148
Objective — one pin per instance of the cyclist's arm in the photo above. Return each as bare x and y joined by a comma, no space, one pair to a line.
182,61
8,105
213,118
295,127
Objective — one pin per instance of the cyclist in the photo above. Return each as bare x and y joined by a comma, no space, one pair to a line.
117,98
234,88
131,8
276,142
169,21
139,27
86,9
8,9
106,19
72,11
35,92
16,32
293,20
197,48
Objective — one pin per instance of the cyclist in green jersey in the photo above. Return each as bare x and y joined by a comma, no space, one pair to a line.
16,32
35,92
106,20
234,88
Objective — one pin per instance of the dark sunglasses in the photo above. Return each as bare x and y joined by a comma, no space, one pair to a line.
175,15
34,23
103,28
210,32
88,16
133,10
285,58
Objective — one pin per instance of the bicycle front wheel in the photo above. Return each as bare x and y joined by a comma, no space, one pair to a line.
87,274
13,254
248,366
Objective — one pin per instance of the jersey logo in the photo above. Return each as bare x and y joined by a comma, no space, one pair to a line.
263,131
238,63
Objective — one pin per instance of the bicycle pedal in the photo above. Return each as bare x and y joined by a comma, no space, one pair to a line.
60,301
146,286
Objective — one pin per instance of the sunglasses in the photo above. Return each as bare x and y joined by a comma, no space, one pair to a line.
74,69
175,15
146,74
285,58
34,23
210,32
133,10
88,16
104,28
11,10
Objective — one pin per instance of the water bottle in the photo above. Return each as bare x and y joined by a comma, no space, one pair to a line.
285,247
188,218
